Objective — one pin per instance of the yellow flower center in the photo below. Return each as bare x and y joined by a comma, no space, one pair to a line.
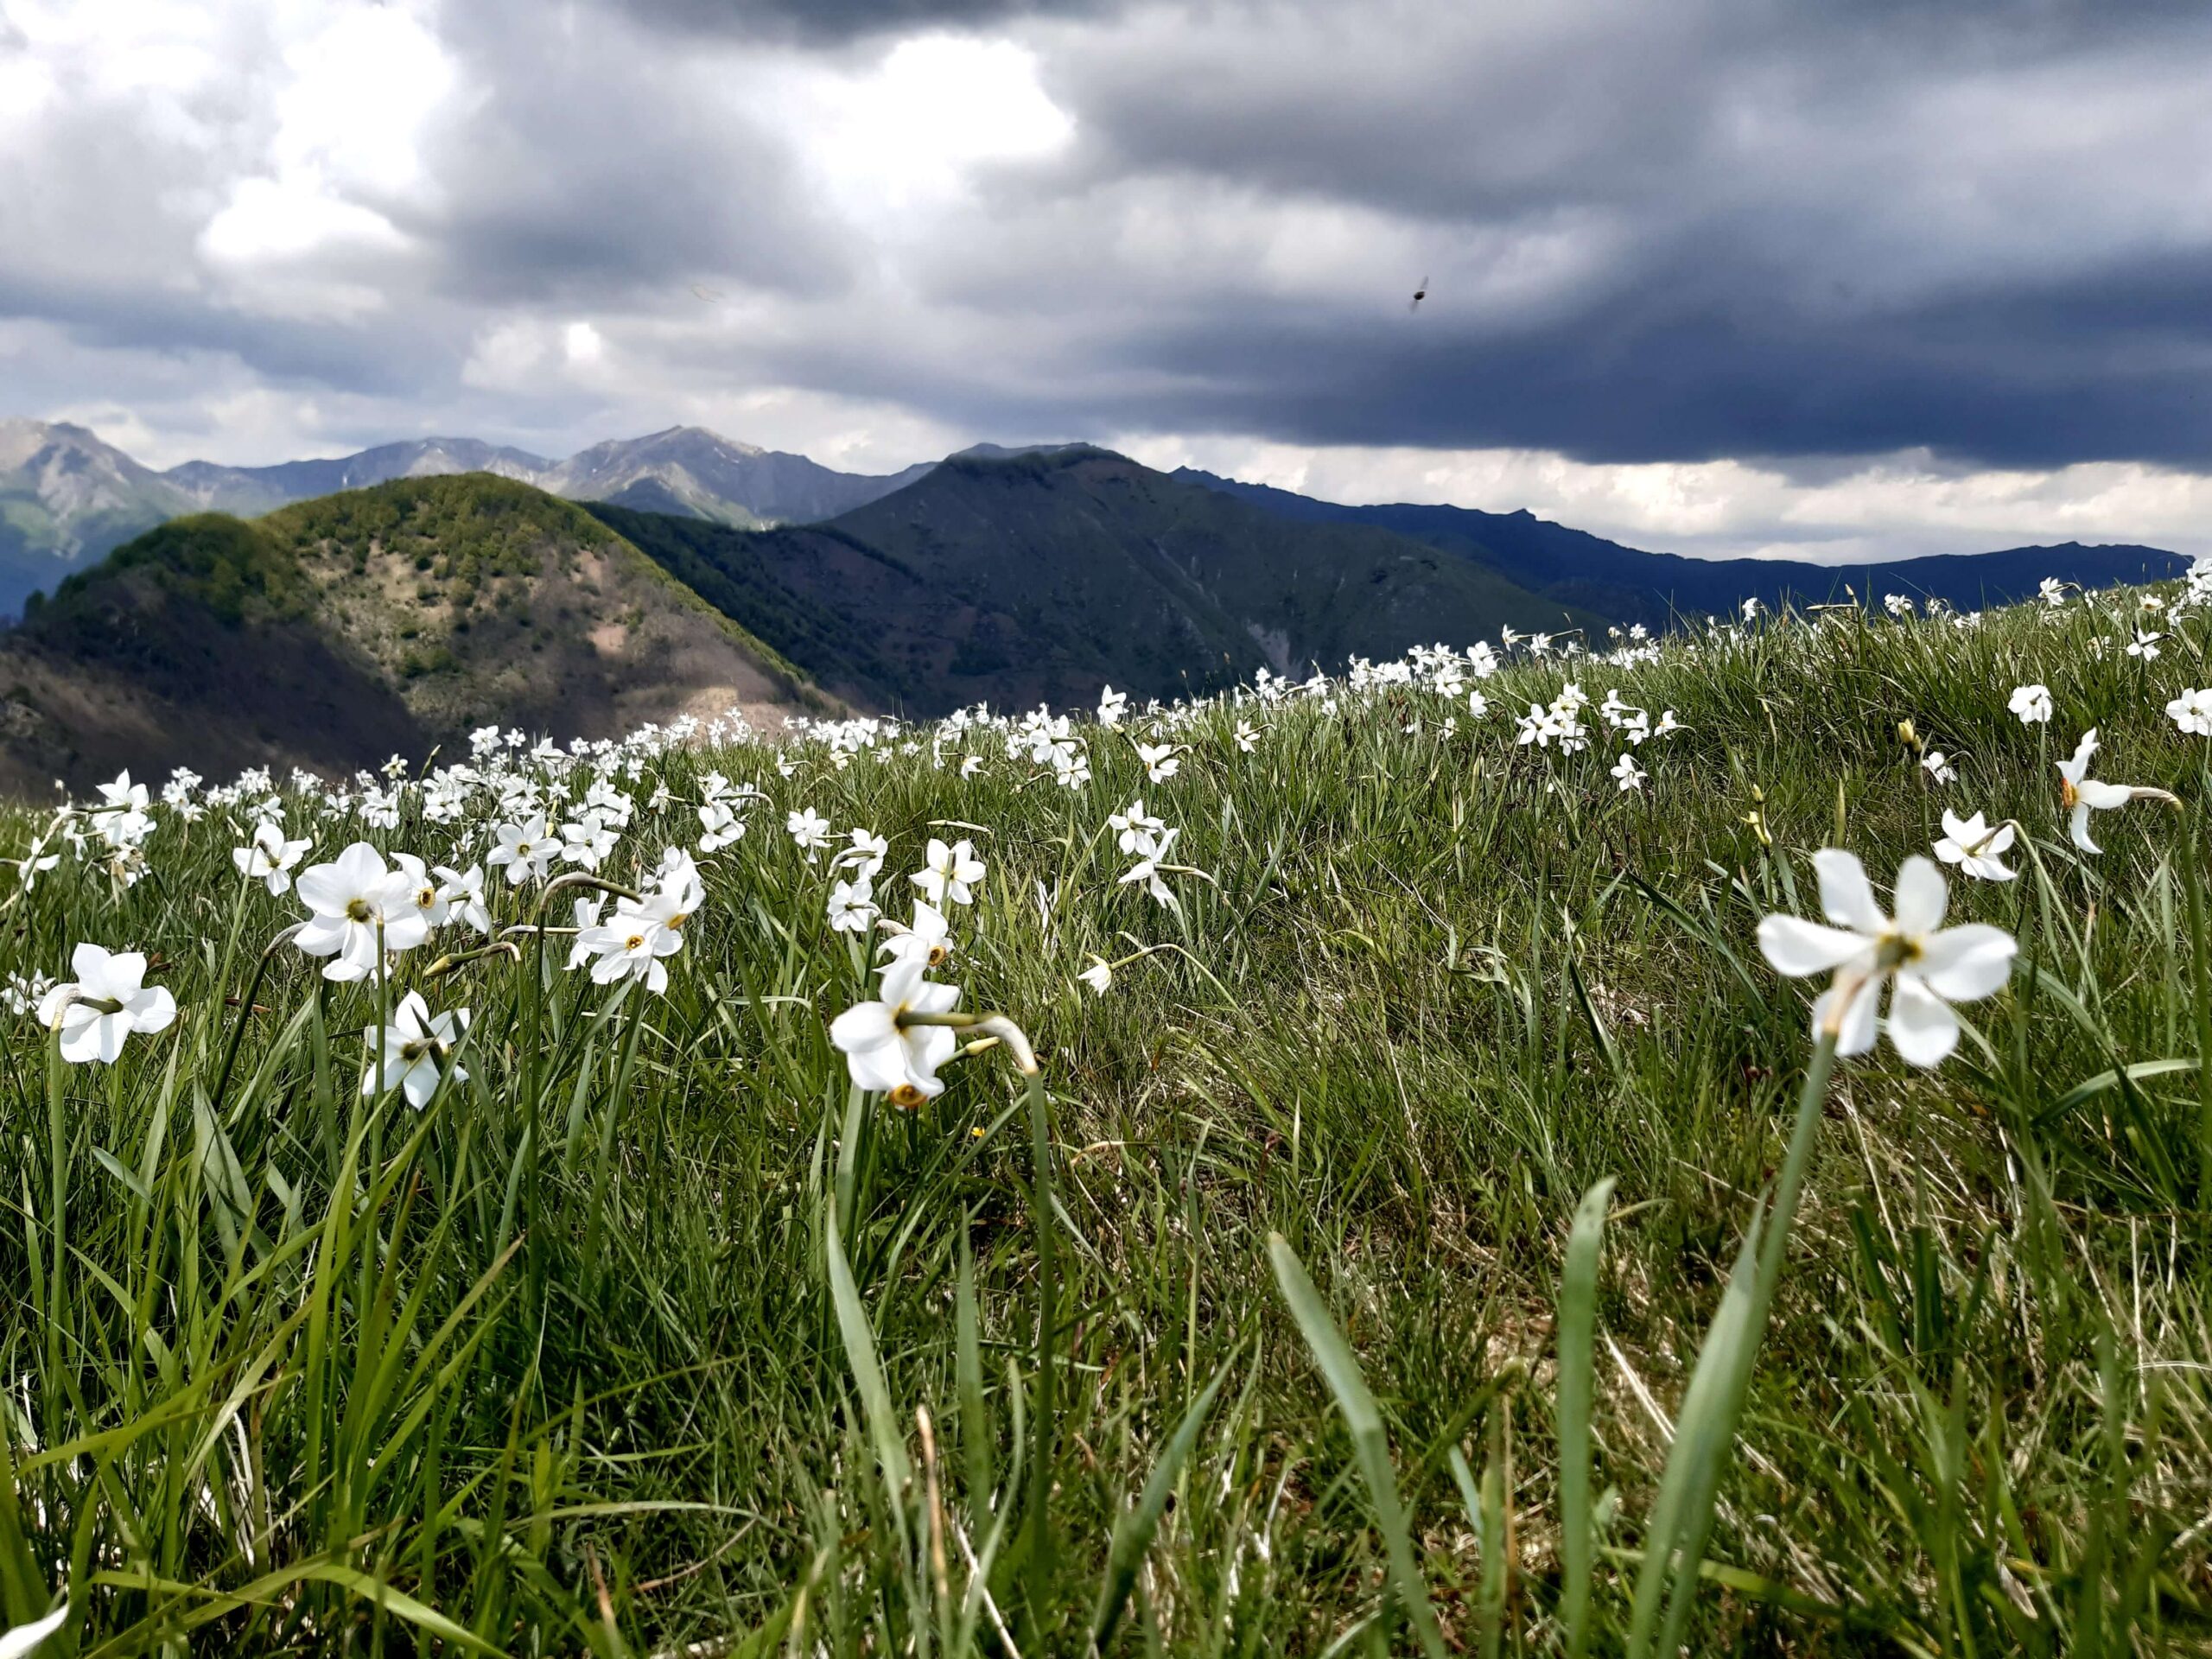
635,941
357,910
1895,950
906,1095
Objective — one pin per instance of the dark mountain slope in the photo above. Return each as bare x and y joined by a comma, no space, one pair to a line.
1042,577
1629,585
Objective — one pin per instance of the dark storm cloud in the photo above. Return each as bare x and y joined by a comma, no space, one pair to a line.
1811,231
1709,228
825,21
595,175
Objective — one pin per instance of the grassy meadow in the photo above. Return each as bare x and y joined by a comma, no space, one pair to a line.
1337,1290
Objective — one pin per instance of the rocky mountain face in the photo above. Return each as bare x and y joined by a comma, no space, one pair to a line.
65,499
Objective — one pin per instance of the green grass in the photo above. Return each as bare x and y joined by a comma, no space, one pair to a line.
652,1332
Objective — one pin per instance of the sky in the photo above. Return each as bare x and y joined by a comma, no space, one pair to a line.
1854,280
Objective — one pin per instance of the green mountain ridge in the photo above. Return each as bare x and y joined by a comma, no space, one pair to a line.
340,631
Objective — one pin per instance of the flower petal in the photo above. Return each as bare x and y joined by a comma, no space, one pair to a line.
1922,1026
1846,896
1857,1035
1922,897
1964,965
2079,828
1796,947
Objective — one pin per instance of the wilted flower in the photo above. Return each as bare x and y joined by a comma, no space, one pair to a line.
898,1062
356,906
1932,966
411,1052
1975,846
106,1003
2084,794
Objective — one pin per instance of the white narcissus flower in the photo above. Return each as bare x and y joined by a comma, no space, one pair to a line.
899,1063
23,1639
2083,794
720,826
2191,712
525,849
928,941
1159,762
852,907
355,904
949,873
970,765
2031,703
34,862
463,892
430,893
268,858
106,1003
1932,966
1627,773
637,939
1975,846
583,916
2145,645
865,856
1098,976
411,1052
1937,765
809,829
1247,739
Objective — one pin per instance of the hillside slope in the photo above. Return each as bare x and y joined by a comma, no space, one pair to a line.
1627,584
1043,576
339,632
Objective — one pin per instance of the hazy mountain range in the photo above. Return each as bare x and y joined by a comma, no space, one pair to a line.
418,589
66,497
